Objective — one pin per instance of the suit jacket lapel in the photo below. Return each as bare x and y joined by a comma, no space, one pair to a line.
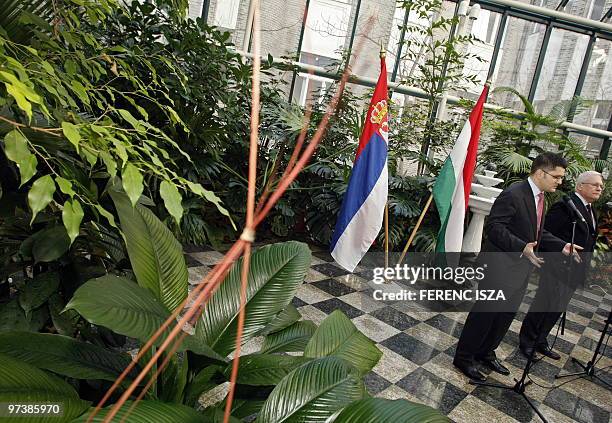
531,209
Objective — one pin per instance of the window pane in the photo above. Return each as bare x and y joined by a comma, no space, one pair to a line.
480,53
280,27
308,87
598,87
597,90
561,69
195,8
228,15
326,37
394,38
409,66
327,27
517,60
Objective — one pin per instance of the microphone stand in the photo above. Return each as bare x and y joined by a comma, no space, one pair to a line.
589,369
519,386
569,276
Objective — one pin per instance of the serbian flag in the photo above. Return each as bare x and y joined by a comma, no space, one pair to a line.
453,185
363,206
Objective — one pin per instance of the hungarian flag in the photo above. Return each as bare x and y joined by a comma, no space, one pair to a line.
453,185
363,206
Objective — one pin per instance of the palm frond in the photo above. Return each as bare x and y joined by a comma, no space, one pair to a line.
528,106
600,165
292,116
12,12
568,109
514,161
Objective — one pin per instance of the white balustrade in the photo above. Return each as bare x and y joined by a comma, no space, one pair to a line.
483,195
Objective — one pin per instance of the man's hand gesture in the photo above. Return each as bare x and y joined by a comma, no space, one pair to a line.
567,249
530,254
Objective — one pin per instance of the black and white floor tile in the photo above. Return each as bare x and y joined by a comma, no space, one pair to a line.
418,348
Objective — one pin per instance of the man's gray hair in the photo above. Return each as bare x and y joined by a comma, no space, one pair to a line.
584,176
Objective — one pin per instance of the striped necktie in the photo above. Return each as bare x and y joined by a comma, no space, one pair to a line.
540,212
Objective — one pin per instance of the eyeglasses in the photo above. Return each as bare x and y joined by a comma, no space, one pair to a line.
557,178
602,186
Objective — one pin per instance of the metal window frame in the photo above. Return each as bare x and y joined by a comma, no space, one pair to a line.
547,16
416,92
507,8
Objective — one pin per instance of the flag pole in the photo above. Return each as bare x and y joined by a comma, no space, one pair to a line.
416,228
383,53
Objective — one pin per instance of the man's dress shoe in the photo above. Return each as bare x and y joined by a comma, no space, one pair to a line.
548,352
470,371
496,366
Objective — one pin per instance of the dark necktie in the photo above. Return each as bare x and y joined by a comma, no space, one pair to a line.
588,207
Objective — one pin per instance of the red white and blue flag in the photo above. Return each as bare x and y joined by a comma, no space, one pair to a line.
361,215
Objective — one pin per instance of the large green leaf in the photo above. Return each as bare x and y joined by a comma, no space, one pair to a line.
215,415
173,380
338,336
172,200
40,194
12,10
132,182
38,290
63,355
22,383
242,408
156,256
265,369
274,275
72,215
201,383
148,412
17,150
313,392
64,323
379,410
50,244
72,133
285,318
291,339
12,317
124,307
37,319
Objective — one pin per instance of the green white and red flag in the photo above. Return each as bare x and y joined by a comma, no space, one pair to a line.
453,185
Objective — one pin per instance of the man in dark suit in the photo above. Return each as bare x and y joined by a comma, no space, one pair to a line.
514,231
557,285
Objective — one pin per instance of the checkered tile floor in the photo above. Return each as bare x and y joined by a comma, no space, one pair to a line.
418,348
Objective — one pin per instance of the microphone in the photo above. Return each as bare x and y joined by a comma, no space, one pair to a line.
572,206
